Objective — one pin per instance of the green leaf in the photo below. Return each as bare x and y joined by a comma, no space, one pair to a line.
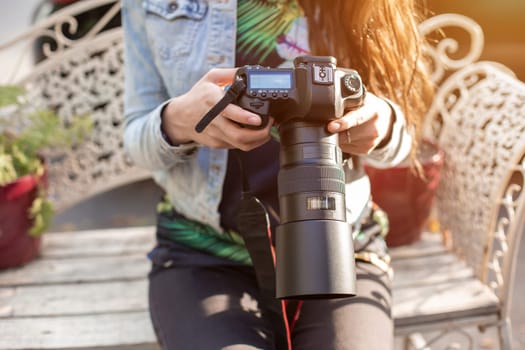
274,132
164,206
262,22
10,95
41,212
7,169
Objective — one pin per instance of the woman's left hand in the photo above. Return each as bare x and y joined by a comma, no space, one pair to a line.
362,129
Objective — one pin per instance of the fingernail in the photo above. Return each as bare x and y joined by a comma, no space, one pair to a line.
254,120
335,127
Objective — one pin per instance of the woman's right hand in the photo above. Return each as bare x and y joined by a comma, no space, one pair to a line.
182,113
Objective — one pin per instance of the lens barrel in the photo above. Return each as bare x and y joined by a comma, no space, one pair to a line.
314,247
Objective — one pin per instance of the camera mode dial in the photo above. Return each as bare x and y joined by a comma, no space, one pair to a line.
352,83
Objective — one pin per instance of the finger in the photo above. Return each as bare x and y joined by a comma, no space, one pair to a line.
351,120
240,115
243,138
358,140
358,118
220,76
366,130
345,136
213,137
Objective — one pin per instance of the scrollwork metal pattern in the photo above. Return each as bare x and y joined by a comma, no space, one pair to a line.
482,111
506,229
440,51
82,76
87,81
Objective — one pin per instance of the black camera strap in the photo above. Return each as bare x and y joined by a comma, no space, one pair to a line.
254,227
232,93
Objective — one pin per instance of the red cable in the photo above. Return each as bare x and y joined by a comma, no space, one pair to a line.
283,302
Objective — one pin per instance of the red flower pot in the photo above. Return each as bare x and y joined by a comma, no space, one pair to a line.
406,197
17,247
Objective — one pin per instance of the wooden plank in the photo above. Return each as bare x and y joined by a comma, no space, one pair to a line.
124,331
444,301
449,325
429,270
78,270
88,291
74,299
120,241
429,244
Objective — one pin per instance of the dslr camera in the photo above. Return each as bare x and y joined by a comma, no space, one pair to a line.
314,246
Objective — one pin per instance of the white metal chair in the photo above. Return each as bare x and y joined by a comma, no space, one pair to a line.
478,119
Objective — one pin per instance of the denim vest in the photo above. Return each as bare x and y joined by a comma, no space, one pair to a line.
169,45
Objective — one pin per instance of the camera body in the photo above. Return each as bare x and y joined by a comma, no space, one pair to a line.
314,90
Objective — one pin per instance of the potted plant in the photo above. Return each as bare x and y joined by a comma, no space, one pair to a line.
25,135
406,196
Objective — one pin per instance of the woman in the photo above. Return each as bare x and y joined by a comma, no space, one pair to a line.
178,56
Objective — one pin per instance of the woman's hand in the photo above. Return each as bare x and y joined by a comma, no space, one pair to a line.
363,129
184,112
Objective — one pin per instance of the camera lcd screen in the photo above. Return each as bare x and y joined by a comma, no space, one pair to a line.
270,80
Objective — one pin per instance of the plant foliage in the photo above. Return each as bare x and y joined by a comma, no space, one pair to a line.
25,135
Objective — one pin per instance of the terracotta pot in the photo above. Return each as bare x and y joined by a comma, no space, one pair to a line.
17,247
406,197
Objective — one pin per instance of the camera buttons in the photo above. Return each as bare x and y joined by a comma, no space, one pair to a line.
323,74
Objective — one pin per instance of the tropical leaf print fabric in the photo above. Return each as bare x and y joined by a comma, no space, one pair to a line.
270,32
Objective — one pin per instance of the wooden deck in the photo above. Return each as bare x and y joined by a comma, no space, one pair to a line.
89,291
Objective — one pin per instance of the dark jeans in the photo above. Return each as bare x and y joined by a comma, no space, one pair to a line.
203,307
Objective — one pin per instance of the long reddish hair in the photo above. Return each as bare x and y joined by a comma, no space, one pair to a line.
380,39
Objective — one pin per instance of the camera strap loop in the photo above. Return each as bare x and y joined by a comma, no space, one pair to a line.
232,93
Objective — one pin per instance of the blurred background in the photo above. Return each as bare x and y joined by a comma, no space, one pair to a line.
503,23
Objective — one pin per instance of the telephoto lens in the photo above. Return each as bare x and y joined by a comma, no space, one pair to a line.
314,247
